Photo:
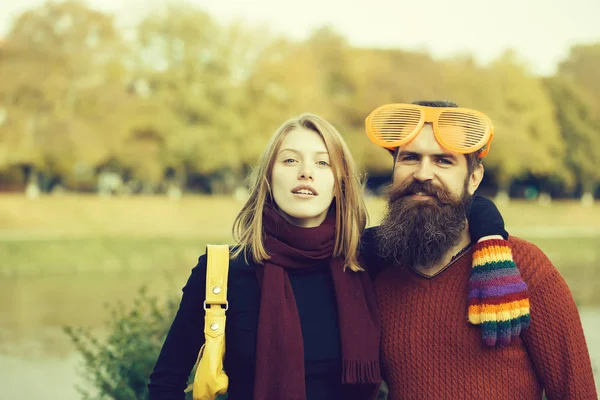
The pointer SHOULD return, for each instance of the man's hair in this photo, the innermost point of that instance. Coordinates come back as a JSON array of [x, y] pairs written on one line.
[[473, 159], [435, 103]]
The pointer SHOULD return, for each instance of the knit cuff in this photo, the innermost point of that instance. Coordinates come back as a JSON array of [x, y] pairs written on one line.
[[498, 298]]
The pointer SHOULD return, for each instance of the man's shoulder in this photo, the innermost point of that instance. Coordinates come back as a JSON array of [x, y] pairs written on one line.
[[520, 245], [368, 252], [368, 241], [530, 259], [368, 234]]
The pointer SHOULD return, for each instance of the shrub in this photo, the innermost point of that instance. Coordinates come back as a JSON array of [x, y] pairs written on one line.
[[118, 363]]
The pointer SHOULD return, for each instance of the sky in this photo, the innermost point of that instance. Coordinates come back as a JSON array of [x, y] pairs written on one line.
[[540, 33]]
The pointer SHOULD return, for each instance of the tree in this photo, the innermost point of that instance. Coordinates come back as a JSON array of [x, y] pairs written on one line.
[[579, 129], [581, 69], [180, 59], [527, 139], [65, 70], [380, 77], [118, 366]]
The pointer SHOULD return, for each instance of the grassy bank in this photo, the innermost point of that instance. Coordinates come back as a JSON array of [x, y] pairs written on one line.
[[84, 234], [202, 216], [52, 256]]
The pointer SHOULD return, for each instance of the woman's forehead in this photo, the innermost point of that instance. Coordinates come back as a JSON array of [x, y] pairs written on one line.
[[303, 140]]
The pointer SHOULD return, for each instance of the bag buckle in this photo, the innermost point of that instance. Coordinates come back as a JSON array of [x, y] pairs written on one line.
[[226, 305]]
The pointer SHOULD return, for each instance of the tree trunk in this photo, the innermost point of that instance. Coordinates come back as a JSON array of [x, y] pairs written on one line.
[[587, 198], [109, 183], [174, 191], [32, 189], [544, 199], [148, 188], [176, 179], [503, 196]]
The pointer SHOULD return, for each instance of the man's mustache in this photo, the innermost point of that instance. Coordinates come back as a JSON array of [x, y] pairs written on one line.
[[397, 192]]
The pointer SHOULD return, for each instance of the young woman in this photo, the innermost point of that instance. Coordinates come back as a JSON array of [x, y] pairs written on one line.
[[302, 322]]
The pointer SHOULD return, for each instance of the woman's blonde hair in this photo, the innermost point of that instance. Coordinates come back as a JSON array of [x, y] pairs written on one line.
[[350, 210]]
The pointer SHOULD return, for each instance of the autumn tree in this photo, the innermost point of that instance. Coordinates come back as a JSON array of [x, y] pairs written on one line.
[[580, 130], [64, 63], [527, 139], [382, 76], [200, 96], [581, 69]]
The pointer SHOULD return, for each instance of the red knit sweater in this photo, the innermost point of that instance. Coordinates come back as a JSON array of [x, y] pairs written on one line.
[[431, 351]]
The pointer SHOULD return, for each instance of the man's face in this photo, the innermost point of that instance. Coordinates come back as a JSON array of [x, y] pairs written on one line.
[[427, 203], [424, 160]]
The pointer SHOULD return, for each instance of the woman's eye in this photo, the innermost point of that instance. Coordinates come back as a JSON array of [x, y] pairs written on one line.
[[323, 163], [289, 160]]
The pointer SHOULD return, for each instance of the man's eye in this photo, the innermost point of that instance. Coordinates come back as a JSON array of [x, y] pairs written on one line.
[[444, 161], [409, 158]]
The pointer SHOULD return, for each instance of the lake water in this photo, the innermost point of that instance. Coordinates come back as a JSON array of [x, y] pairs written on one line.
[[38, 361]]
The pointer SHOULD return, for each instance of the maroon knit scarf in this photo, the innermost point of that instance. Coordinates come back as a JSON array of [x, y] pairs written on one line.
[[279, 347]]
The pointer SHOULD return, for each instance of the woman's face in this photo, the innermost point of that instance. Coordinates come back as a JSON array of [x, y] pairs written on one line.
[[302, 181]]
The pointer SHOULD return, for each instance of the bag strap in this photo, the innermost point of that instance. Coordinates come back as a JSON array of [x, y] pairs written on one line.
[[217, 271], [215, 305]]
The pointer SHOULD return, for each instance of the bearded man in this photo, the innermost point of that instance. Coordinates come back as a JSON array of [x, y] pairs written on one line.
[[463, 320]]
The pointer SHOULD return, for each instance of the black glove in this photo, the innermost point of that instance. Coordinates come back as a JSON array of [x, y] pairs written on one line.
[[485, 219]]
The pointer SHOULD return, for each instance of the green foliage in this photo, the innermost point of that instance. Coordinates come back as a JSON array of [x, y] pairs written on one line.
[[579, 128], [117, 366], [581, 69], [65, 72], [199, 98]]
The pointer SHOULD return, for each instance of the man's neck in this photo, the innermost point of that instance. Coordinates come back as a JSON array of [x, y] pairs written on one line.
[[431, 270]]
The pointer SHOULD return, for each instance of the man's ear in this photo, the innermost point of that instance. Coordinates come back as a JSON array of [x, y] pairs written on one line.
[[394, 154], [475, 179]]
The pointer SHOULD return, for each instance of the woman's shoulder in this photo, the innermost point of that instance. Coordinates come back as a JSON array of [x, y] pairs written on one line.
[[237, 263], [237, 260]]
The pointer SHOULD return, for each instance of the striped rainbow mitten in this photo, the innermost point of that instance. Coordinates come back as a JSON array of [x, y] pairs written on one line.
[[498, 299]]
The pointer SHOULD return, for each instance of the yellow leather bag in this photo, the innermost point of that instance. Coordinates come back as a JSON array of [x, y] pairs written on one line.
[[210, 380]]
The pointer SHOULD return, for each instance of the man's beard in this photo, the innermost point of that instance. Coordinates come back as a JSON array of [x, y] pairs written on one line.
[[420, 232]]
